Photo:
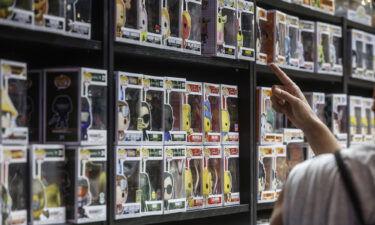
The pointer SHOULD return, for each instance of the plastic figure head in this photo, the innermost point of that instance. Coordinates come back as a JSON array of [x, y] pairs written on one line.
[[188, 183], [39, 198], [186, 117], [221, 20], [6, 8], [123, 116], [207, 182], [186, 26], [207, 117], [225, 121], [121, 189], [168, 118], [168, 186], [166, 23], [120, 14], [40, 8], [142, 17], [145, 117], [227, 182]]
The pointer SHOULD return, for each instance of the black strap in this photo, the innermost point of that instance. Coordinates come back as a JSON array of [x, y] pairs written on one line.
[[350, 189]]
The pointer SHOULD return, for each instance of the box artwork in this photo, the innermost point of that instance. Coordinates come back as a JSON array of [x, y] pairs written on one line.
[[277, 35], [86, 199], [151, 180], [151, 118], [14, 188], [266, 174], [307, 41], [281, 168], [35, 105], [335, 50], [323, 64], [293, 47], [369, 56], [191, 26], [129, 106], [293, 135], [192, 118], [219, 28], [194, 177], [336, 116], [174, 179], [128, 192], [231, 165], [317, 102], [355, 10], [78, 18], [368, 120], [357, 49], [171, 23], [229, 114], [17, 13], [49, 184], [212, 176], [13, 102], [356, 119], [64, 111], [245, 36], [49, 15], [263, 35], [211, 111], [174, 132]]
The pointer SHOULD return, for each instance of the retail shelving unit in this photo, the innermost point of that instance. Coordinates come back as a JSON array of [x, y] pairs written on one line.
[[103, 52]]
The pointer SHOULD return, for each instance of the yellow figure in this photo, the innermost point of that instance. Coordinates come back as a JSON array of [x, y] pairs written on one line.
[[8, 112], [53, 196], [239, 39], [225, 124], [120, 16], [165, 21], [39, 198], [186, 118], [188, 183], [207, 182], [227, 182]]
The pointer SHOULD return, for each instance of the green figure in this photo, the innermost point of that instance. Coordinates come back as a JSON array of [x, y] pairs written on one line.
[[321, 54], [6, 8]]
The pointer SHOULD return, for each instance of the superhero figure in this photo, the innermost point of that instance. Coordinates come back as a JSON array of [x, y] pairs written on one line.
[[61, 107]]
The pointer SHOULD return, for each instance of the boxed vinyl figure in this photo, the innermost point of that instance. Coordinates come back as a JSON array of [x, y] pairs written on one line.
[[266, 174], [151, 180], [281, 168], [336, 116], [307, 41], [191, 26], [368, 120], [229, 114], [174, 179], [152, 108], [262, 34], [335, 50], [231, 174], [194, 177], [219, 28], [129, 22], [212, 176], [355, 10], [78, 18], [269, 122], [317, 103], [13, 102], [35, 105], [17, 13], [355, 119], [49, 15], [293, 47], [71, 119], [211, 111], [357, 41], [174, 132], [245, 36], [277, 35], [128, 192], [14, 189], [369, 56], [322, 55], [49, 183], [171, 23], [192, 118], [129, 106]]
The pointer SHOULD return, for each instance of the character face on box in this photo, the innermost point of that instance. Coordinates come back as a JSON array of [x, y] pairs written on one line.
[[207, 117]]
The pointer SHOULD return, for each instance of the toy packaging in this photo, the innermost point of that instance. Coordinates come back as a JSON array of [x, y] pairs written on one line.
[[229, 114], [194, 177], [336, 116], [293, 45], [35, 105], [49, 183], [129, 106], [269, 121], [369, 56], [49, 15], [245, 36], [13, 102], [71, 119], [335, 50], [296, 153], [152, 108], [191, 26], [174, 132], [266, 174], [293, 135], [128, 192], [86, 199], [211, 111], [368, 120], [17, 13], [129, 20], [171, 24], [281, 168], [78, 18], [322, 55], [318, 104], [355, 10], [356, 119], [277, 35], [174, 179], [151, 180], [357, 49], [231, 174], [192, 118], [262, 34], [14, 189], [307, 42], [219, 28], [326, 6], [212, 176]]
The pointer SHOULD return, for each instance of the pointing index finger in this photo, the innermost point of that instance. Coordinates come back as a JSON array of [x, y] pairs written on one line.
[[281, 75]]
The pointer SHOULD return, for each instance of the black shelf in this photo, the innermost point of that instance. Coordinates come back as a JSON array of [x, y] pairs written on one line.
[[359, 26], [363, 84], [265, 206]]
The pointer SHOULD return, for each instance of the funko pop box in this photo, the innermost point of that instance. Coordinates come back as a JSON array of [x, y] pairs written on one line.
[[49, 179], [336, 116], [293, 48], [277, 38], [357, 46], [368, 120], [213, 176], [356, 112], [355, 10], [211, 112], [369, 56], [78, 18], [266, 174], [194, 177], [87, 193], [281, 168], [231, 178], [317, 102], [191, 26], [245, 36], [13, 102], [35, 105], [17, 13], [49, 15], [307, 40], [229, 114], [71, 119], [322, 55], [128, 192], [171, 24], [192, 117], [335, 50], [263, 35]]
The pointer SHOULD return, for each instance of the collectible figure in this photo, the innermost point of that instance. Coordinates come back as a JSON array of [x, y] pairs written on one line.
[[368, 120], [86, 197], [194, 177], [219, 28], [211, 112], [357, 50], [268, 125], [191, 26], [149, 22], [174, 132], [293, 135], [281, 168], [307, 42], [49, 15], [171, 23], [356, 119], [318, 104], [151, 180], [128, 29], [78, 18], [152, 109], [17, 13], [322, 48], [263, 35], [192, 117], [14, 102], [355, 10], [336, 116], [277, 35], [231, 178], [266, 174], [174, 179], [129, 105], [49, 183], [229, 114], [335, 50], [212, 176], [369, 56], [245, 35], [34, 86], [128, 192], [14, 175], [293, 45]]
